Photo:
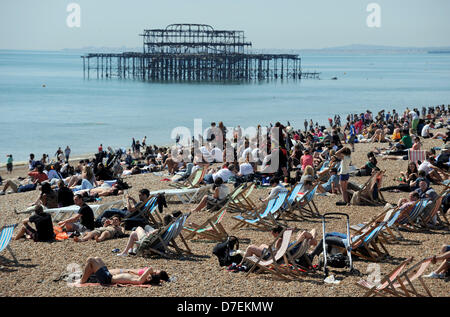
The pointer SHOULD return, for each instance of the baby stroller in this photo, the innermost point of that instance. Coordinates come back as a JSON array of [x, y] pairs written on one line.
[[337, 260]]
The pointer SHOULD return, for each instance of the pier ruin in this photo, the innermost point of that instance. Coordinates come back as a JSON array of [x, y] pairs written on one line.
[[194, 52]]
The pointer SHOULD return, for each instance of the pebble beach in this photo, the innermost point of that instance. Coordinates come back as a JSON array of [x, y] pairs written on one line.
[[199, 274]]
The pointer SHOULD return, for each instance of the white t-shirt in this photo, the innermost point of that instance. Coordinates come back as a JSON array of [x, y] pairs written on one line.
[[206, 154], [426, 131], [224, 174], [345, 164], [425, 166], [223, 191], [217, 155], [245, 169], [413, 115], [246, 152]]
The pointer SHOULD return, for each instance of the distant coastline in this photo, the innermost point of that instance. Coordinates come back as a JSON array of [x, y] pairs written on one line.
[[439, 52]]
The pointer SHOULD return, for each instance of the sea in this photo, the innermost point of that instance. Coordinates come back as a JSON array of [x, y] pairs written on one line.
[[46, 102]]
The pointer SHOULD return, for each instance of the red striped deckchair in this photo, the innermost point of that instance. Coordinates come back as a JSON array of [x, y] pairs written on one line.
[[416, 155]]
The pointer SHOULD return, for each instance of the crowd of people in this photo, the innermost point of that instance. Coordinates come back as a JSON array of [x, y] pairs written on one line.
[[277, 156]]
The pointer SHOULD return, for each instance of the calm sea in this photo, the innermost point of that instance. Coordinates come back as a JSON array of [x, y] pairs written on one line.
[[82, 113]]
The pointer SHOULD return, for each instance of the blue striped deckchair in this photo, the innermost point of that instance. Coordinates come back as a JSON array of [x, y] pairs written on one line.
[[407, 221], [167, 239], [265, 219], [148, 211], [291, 200], [364, 244], [5, 238], [306, 206]]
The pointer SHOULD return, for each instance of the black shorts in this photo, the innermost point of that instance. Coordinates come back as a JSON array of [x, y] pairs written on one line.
[[103, 276], [31, 232], [9, 167]]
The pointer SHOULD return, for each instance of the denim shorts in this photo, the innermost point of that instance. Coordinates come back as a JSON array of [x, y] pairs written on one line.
[[344, 177]]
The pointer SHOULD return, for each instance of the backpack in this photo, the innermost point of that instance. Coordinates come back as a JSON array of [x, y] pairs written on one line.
[[222, 251]]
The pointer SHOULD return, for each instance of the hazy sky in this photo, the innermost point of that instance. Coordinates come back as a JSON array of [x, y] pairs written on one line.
[[297, 24]]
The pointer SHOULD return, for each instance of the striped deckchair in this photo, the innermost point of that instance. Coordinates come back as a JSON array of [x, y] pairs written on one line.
[[241, 201], [271, 265], [296, 251], [193, 181], [430, 213], [211, 229], [166, 243], [407, 220], [291, 201], [148, 211], [385, 286], [416, 155], [306, 206], [267, 218], [5, 238], [366, 244], [404, 283]]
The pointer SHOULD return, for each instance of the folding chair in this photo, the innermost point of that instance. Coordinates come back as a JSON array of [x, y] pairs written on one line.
[[385, 286], [306, 206], [165, 243], [270, 265], [267, 218], [241, 201], [416, 155], [366, 195], [192, 181], [5, 238], [211, 229]]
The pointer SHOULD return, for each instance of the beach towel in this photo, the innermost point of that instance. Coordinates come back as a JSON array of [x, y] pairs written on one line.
[[113, 285], [60, 234]]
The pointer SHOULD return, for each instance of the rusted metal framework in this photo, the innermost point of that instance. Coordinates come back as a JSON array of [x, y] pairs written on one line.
[[195, 52]]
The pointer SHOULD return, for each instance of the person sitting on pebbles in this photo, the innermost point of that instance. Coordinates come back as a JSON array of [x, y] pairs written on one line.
[[111, 229]]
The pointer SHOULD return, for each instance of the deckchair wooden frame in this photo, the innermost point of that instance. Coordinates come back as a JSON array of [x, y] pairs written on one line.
[[306, 205], [193, 180], [385, 286], [404, 282], [242, 202], [177, 226], [211, 229], [366, 191], [263, 220], [263, 265]]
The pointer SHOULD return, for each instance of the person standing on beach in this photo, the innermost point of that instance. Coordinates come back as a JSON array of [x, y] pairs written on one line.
[[345, 155], [9, 163], [67, 153]]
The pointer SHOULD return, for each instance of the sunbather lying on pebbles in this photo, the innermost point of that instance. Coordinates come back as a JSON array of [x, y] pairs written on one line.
[[110, 229], [101, 274]]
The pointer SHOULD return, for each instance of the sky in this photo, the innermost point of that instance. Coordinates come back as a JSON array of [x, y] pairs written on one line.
[[282, 24]]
